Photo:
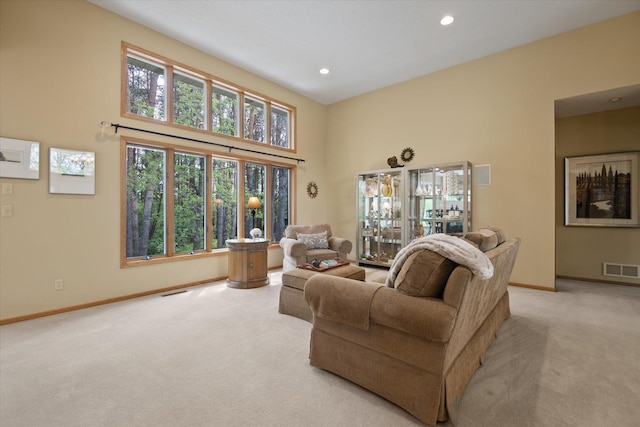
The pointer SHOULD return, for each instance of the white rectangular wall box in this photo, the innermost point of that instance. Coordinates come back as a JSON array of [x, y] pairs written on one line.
[[482, 174]]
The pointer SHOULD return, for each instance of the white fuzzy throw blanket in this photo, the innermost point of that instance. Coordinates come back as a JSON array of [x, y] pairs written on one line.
[[454, 248]]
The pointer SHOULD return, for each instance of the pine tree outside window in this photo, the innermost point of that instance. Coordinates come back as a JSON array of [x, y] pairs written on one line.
[[145, 202], [225, 201], [280, 201], [279, 127], [178, 204], [254, 119], [189, 101], [145, 90], [189, 179], [254, 186], [158, 89], [224, 111]]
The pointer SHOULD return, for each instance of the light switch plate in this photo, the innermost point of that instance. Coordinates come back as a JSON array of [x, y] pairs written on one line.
[[7, 188], [7, 210]]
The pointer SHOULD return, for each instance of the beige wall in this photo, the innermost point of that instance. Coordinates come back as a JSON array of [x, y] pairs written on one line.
[[497, 110], [59, 78], [580, 251]]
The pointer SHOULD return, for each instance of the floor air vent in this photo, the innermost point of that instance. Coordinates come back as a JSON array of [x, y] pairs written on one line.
[[621, 270]]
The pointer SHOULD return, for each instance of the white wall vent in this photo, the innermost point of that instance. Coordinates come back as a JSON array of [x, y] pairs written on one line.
[[621, 270], [482, 174]]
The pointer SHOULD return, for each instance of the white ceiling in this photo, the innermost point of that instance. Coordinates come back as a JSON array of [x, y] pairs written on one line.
[[366, 45], [613, 99]]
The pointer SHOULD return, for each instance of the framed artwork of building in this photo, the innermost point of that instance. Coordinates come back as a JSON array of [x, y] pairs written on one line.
[[603, 190]]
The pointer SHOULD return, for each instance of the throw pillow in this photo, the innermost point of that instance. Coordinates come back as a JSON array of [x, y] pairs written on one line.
[[499, 233], [484, 238], [424, 274], [314, 241]]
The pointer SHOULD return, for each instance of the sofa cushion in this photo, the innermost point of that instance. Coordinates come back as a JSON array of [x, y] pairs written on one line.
[[485, 238], [424, 274], [314, 241]]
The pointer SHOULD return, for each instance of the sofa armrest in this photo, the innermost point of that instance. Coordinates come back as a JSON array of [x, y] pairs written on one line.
[[340, 244], [429, 318], [293, 248], [341, 300]]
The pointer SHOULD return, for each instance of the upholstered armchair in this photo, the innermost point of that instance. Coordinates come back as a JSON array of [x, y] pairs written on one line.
[[304, 243]]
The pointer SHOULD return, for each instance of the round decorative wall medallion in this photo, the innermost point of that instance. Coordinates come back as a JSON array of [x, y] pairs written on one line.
[[312, 189], [407, 154]]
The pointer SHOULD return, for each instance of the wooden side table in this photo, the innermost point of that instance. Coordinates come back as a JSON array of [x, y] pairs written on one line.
[[247, 263]]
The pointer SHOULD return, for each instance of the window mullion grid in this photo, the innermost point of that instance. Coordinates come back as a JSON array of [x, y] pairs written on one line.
[[169, 200], [169, 68], [267, 122], [268, 201], [292, 130], [169, 95], [241, 115], [241, 202], [208, 123], [209, 205]]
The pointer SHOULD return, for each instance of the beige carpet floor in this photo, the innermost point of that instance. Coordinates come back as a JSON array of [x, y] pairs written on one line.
[[214, 356]]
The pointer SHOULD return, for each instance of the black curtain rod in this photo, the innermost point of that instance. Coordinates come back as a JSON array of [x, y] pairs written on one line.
[[229, 147]]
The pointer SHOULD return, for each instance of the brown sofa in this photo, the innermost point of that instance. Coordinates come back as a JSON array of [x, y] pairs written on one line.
[[296, 252], [417, 343]]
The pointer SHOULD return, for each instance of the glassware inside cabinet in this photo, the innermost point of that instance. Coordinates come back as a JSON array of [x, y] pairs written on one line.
[[368, 214], [390, 220], [453, 185], [422, 203], [380, 216], [437, 200]]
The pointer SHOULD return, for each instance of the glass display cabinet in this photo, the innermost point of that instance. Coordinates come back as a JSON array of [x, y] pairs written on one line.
[[439, 200], [380, 196]]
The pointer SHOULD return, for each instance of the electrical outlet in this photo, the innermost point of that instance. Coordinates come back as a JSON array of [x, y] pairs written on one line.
[[58, 285]]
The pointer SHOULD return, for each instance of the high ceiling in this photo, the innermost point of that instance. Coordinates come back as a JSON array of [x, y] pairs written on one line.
[[366, 45]]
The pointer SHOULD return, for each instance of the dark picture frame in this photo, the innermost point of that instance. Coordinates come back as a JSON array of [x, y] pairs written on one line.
[[603, 190]]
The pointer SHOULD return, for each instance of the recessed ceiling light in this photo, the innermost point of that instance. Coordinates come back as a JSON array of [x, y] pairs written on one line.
[[324, 71], [615, 99], [446, 20]]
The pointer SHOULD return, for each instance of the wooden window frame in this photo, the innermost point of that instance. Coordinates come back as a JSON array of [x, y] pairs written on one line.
[[209, 79], [208, 251]]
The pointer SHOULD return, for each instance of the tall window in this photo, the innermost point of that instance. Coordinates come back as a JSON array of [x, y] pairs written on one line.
[[188, 101], [145, 202], [224, 111], [178, 204], [189, 202], [145, 88], [225, 201], [254, 119], [280, 206], [279, 127], [254, 186]]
